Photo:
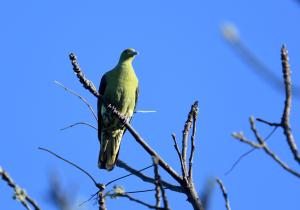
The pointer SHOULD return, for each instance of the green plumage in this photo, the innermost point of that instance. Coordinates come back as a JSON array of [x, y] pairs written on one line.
[[119, 87]]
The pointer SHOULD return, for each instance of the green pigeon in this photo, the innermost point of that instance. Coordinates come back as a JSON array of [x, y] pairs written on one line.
[[118, 87]]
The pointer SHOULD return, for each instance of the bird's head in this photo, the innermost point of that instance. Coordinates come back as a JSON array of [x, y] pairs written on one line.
[[128, 55]]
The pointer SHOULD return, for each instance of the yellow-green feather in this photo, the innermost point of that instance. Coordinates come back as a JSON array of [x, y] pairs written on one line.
[[121, 92]]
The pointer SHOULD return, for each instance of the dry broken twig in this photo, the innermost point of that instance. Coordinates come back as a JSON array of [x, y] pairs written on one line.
[[20, 194]]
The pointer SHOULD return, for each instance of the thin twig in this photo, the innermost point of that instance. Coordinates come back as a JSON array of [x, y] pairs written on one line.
[[20, 194], [79, 123], [178, 153], [80, 97], [248, 152], [224, 192], [73, 164], [285, 120], [268, 123], [122, 177], [193, 136], [145, 178]]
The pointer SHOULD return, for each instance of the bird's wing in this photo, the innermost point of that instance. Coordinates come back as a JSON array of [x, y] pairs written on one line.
[[136, 97], [99, 105]]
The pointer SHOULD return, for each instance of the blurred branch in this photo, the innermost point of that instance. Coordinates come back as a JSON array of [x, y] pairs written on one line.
[[80, 97], [224, 192], [61, 199], [20, 194], [231, 36]]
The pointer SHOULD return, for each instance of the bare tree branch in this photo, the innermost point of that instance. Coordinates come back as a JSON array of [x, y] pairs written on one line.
[[159, 187], [131, 173], [185, 135], [156, 183], [80, 97], [224, 192], [193, 136], [20, 194]]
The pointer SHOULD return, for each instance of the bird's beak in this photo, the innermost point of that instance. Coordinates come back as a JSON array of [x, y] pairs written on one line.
[[135, 53]]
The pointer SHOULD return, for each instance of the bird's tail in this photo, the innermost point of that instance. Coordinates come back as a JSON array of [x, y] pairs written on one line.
[[110, 145]]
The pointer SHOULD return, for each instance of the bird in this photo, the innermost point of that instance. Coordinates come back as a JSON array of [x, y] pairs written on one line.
[[118, 87]]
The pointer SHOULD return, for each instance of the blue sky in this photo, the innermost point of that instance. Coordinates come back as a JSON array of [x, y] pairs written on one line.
[[183, 58]]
